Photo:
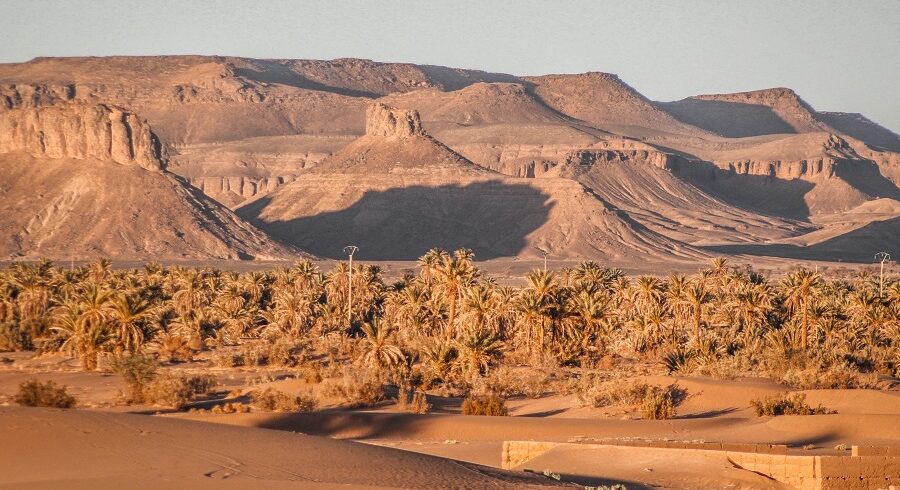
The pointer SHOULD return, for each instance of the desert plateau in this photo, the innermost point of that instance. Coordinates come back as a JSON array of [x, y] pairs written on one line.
[[297, 267]]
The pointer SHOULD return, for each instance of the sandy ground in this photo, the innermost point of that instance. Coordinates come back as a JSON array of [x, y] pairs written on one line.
[[49, 448], [97, 446]]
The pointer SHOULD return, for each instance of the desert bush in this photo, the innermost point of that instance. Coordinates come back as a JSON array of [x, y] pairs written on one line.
[[228, 359], [506, 383], [660, 403], [14, 338], [595, 392], [356, 390], [835, 376], [176, 390], [491, 405], [311, 374], [33, 393], [255, 353], [138, 371], [415, 402], [279, 401], [287, 352], [230, 408], [786, 404]]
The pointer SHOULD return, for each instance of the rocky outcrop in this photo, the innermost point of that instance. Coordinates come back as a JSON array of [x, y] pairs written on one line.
[[532, 161], [386, 121], [15, 96], [785, 169], [79, 130], [784, 102]]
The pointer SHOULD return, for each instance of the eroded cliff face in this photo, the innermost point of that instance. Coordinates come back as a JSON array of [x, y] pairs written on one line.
[[79, 130], [385, 121], [532, 161]]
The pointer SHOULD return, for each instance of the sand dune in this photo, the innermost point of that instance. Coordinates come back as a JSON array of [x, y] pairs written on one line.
[[106, 450]]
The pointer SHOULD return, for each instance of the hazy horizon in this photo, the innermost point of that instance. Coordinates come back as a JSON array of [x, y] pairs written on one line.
[[838, 57]]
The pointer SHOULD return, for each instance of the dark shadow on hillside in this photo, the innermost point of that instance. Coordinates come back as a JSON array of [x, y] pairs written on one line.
[[864, 129], [491, 218], [283, 75], [866, 176], [455, 79], [859, 245], [730, 119], [763, 194]]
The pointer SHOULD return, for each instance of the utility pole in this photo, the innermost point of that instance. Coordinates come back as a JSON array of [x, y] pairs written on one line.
[[350, 250], [545, 261], [883, 257]]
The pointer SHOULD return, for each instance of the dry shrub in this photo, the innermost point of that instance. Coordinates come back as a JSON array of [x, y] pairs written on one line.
[[33, 393], [836, 376], [311, 374], [254, 354], [593, 392], [356, 390], [230, 408], [228, 359], [417, 403], [656, 402], [491, 405], [176, 390], [660, 403], [287, 352], [176, 348], [507, 383], [786, 404], [279, 401], [14, 338], [282, 352]]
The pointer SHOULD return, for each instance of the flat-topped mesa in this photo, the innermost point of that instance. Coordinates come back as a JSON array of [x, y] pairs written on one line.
[[385, 121], [80, 130]]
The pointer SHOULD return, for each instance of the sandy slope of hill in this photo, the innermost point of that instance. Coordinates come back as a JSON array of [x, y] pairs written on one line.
[[397, 192], [47, 448], [604, 101], [84, 180]]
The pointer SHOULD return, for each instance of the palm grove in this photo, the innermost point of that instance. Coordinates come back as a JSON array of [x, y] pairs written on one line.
[[449, 326]]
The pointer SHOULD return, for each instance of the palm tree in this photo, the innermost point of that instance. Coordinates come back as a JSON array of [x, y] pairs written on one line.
[[696, 296], [454, 274], [430, 262], [380, 353], [591, 308], [478, 348], [800, 287], [128, 314]]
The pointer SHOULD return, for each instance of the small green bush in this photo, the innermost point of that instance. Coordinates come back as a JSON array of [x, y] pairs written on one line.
[[491, 405], [33, 393], [138, 372], [786, 404]]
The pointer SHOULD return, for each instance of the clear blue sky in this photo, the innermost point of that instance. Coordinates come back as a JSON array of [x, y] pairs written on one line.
[[838, 55]]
